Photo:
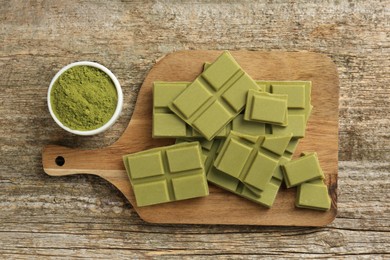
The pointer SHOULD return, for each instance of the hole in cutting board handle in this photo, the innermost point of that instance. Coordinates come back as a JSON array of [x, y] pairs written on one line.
[[60, 161]]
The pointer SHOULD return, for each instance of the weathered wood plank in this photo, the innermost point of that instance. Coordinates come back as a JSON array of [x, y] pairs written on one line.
[[82, 216]]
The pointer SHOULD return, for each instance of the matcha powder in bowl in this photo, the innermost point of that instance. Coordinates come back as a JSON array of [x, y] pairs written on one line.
[[85, 98]]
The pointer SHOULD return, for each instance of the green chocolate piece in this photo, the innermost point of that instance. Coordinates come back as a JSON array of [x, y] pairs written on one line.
[[266, 108], [245, 158], [303, 169], [166, 174], [313, 195], [215, 97], [227, 182]]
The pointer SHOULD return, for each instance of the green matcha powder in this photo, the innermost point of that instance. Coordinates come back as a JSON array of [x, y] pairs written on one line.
[[84, 98]]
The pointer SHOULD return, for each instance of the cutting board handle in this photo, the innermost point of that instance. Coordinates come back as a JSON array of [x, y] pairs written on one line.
[[61, 161]]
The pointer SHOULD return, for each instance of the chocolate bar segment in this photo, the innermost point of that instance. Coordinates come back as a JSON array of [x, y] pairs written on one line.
[[167, 174], [251, 159], [215, 97], [313, 195], [304, 169], [266, 108]]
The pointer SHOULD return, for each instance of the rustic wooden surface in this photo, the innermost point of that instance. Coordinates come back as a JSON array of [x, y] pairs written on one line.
[[83, 216]]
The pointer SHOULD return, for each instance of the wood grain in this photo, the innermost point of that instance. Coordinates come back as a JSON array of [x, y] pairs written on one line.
[[321, 136], [83, 216]]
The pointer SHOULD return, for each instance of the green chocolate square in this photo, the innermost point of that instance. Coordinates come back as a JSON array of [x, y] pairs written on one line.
[[183, 159], [266, 108], [296, 94], [187, 187], [169, 125], [212, 120], [219, 72], [165, 92], [296, 126], [313, 196], [146, 165], [233, 158], [152, 193], [167, 173], [303, 169], [194, 96]]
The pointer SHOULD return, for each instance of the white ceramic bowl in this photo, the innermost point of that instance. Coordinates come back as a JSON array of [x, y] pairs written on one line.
[[118, 106]]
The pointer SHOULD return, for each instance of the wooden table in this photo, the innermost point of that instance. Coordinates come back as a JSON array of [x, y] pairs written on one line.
[[83, 216]]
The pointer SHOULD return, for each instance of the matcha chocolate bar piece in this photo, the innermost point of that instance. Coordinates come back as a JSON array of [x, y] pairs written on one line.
[[167, 174], [265, 197], [266, 108], [251, 159], [313, 195], [304, 169], [215, 97], [298, 107]]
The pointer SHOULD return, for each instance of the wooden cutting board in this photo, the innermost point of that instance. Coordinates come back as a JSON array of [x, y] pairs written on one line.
[[221, 207]]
